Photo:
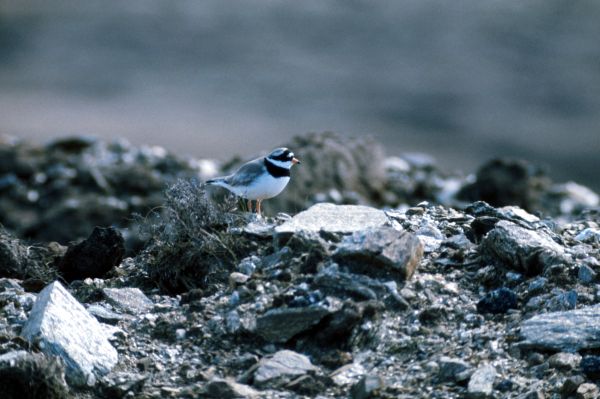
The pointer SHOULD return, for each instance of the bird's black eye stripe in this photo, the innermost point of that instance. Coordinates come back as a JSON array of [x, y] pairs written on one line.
[[285, 156]]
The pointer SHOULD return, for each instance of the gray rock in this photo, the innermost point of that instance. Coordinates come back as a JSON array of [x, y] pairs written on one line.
[[332, 218], [281, 324], [568, 331], [130, 300], [348, 374], [381, 252], [588, 235], [366, 387], [225, 388], [586, 274], [248, 265], [565, 361], [481, 383], [587, 391], [120, 384], [521, 249], [281, 368], [104, 315], [63, 327], [533, 394], [452, 369]]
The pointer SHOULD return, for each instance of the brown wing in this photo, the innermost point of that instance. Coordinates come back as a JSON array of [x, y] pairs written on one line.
[[246, 173]]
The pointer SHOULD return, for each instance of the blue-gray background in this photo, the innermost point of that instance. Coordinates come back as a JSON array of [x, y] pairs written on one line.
[[463, 80]]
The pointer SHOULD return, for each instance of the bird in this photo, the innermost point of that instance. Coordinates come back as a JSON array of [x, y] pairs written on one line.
[[261, 178]]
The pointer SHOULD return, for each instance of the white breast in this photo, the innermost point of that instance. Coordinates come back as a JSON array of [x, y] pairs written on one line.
[[264, 187]]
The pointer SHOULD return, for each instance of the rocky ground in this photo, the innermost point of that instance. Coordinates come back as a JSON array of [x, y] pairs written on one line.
[[391, 279]]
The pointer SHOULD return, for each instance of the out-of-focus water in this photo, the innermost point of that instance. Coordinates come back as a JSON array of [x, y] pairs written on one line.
[[463, 80]]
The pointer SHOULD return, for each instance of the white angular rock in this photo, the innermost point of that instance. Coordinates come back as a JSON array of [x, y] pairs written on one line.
[[334, 219], [62, 327], [280, 368]]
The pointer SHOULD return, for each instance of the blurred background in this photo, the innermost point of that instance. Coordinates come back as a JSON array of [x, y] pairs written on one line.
[[462, 80]]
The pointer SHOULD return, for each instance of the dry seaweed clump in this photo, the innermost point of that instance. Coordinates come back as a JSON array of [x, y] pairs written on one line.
[[26, 262], [191, 244]]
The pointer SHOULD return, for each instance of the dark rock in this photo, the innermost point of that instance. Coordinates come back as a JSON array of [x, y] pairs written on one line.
[[505, 385], [336, 328], [29, 375], [224, 388], [382, 252], [358, 287], [309, 385], [95, 256], [432, 315], [452, 369], [282, 324], [367, 387], [502, 182], [590, 365], [571, 384], [64, 328], [520, 249], [281, 368], [119, 385], [567, 331], [498, 301], [482, 225]]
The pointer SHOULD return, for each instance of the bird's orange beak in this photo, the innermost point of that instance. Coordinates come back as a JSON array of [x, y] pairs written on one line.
[[295, 161]]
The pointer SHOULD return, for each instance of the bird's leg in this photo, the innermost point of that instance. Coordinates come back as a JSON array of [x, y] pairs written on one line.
[[249, 206], [258, 210]]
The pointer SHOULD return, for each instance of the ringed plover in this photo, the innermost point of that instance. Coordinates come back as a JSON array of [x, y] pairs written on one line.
[[261, 178]]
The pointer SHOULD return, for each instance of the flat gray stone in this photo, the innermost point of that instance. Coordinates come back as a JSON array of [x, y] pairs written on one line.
[[130, 300], [520, 249], [366, 387], [281, 324], [481, 383], [381, 252], [333, 218], [568, 331], [63, 327], [281, 368]]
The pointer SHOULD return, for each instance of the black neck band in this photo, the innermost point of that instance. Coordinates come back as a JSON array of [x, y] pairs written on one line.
[[276, 171]]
